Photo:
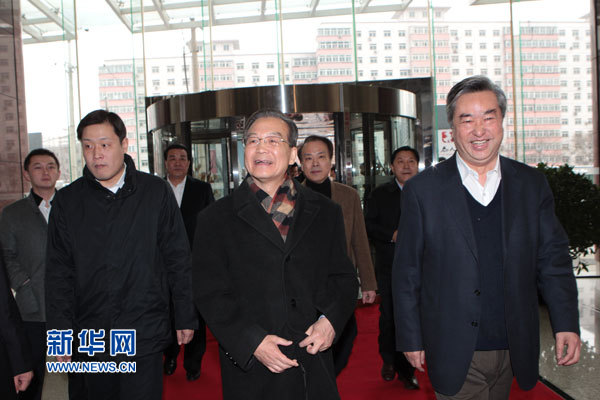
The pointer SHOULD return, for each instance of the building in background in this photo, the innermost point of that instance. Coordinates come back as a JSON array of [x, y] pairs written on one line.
[[553, 86]]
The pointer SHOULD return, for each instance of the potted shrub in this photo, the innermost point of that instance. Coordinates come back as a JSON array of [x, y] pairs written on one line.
[[578, 209]]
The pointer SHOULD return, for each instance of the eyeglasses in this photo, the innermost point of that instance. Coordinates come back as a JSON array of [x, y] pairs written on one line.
[[271, 141]]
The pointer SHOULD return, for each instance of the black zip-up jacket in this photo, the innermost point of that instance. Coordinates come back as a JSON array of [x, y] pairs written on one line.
[[113, 259]]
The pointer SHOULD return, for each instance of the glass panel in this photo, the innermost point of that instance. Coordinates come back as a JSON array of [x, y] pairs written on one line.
[[358, 153], [381, 147], [210, 165]]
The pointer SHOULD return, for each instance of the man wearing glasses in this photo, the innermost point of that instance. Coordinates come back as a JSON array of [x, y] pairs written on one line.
[[271, 275]]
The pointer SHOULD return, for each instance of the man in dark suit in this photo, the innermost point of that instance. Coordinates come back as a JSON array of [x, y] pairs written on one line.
[[15, 357], [477, 239], [192, 196], [271, 274], [381, 218], [23, 233]]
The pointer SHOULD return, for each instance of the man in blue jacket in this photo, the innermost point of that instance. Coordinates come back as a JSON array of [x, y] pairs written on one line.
[[477, 239]]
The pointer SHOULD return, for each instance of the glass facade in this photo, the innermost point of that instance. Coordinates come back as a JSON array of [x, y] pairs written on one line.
[[80, 56]]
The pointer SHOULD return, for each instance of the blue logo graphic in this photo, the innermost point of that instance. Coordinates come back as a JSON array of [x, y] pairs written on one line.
[[90, 341], [59, 342], [122, 341]]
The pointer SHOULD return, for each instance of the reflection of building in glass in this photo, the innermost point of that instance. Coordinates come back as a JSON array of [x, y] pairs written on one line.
[[118, 94], [13, 130], [553, 87]]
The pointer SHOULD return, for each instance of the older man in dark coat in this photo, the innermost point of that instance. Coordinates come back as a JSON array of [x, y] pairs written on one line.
[[271, 275]]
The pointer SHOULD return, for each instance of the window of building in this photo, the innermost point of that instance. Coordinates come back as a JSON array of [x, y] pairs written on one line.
[[373, 60], [254, 65], [401, 33], [468, 46], [468, 32], [388, 59], [402, 46], [170, 68], [155, 70], [373, 73], [483, 59], [255, 79], [496, 32], [225, 47], [156, 82], [403, 59], [388, 72], [239, 66], [372, 33], [373, 46], [482, 32], [270, 65], [387, 46], [482, 46], [387, 33], [270, 78]]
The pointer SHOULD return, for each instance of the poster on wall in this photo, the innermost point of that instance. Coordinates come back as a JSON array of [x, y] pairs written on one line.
[[445, 144]]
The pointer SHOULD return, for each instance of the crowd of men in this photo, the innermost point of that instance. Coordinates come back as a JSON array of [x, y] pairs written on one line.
[[274, 269]]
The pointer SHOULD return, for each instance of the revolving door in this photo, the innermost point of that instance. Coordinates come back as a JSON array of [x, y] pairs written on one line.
[[365, 123]]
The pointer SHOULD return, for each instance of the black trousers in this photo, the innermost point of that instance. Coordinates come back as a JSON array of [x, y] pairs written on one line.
[[387, 329], [36, 334], [193, 351], [342, 349], [144, 384]]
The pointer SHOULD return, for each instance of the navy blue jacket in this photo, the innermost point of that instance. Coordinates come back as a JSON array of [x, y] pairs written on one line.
[[436, 277]]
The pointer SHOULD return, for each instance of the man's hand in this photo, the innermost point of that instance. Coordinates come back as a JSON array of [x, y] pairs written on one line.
[[394, 236], [22, 381], [368, 296], [320, 336], [573, 343], [270, 356], [63, 358], [416, 359], [184, 336]]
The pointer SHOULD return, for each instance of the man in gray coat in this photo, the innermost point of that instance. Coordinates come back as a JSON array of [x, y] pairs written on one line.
[[23, 231]]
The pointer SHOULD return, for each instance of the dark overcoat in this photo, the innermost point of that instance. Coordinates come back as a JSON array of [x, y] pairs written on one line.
[[197, 195], [113, 258], [381, 219], [15, 354], [249, 283], [436, 278]]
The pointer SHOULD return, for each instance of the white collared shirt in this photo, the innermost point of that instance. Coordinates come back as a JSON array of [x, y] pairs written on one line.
[[178, 190], [120, 183], [398, 183], [45, 207], [470, 179]]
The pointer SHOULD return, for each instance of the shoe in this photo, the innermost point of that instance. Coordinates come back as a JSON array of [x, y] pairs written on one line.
[[388, 372], [409, 383], [192, 376], [170, 365]]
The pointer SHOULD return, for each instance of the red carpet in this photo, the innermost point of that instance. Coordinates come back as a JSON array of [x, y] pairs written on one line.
[[360, 380]]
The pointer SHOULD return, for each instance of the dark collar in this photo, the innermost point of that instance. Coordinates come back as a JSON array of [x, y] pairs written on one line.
[[36, 198], [324, 187], [130, 181]]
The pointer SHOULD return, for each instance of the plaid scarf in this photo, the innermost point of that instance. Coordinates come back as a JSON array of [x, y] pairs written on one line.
[[281, 207]]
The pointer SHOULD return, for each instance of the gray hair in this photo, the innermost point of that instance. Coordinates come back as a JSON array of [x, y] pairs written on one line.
[[272, 113], [472, 84]]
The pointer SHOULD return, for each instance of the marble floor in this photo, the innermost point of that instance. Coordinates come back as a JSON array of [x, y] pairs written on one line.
[[580, 382]]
